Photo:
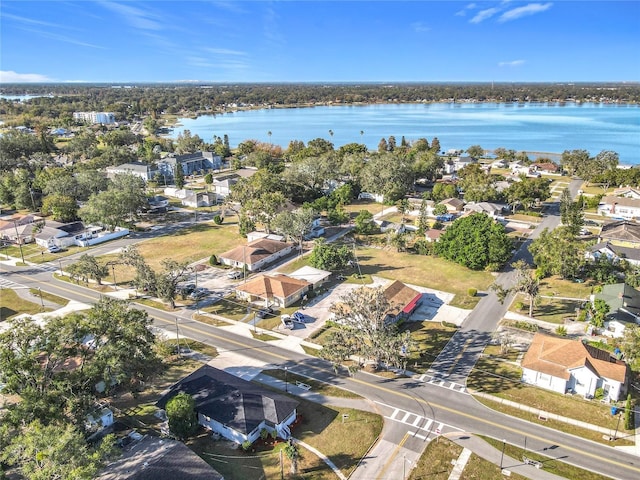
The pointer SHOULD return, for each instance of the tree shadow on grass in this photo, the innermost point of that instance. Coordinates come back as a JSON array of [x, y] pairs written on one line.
[[5, 313]]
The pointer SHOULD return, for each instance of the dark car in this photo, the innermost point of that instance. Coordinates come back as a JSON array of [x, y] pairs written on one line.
[[264, 312], [198, 293], [187, 289]]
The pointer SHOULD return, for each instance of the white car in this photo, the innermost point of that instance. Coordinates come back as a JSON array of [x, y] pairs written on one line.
[[54, 249], [234, 274], [287, 322]]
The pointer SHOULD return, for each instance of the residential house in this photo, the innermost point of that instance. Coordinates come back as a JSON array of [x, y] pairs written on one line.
[[278, 289], [200, 199], [60, 234], [546, 167], [626, 208], [94, 117], [403, 300], [615, 253], [192, 163], [628, 192], [145, 171], [386, 225], [623, 301], [454, 205], [623, 233], [222, 185], [493, 210], [99, 419], [19, 228], [155, 458], [314, 276], [433, 235], [235, 408], [565, 366], [256, 235], [257, 254], [376, 197]]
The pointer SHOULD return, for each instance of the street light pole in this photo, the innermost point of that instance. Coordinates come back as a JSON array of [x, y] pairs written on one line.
[[286, 383], [113, 273], [502, 456]]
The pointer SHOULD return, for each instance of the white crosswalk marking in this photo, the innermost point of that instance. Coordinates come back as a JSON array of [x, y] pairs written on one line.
[[440, 382], [416, 429]]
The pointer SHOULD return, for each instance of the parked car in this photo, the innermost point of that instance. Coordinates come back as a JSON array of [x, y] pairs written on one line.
[[187, 289], [199, 293], [263, 312], [54, 249], [447, 217], [286, 321], [234, 274], [298, 317]]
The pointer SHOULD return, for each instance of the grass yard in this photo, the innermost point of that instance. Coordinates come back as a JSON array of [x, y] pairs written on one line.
[[369, 205], [552, 310], [424, 270], [11, 304], [320, 426], [502, 379], [316, 386], [430, 338], [556, 286], [550, 465]]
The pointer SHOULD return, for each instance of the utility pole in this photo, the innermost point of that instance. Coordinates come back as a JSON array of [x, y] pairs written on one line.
[[177, 338], [15, 225], [41, 302]]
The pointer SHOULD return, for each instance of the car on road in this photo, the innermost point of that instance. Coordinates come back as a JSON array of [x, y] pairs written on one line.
[[199, 293], [287, 322], [54, 249], [234, 274]]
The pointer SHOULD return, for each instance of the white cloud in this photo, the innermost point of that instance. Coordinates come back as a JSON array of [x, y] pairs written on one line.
[[135, 17], [463, 12], [519, 12], [64, 38], [9, 76], [30, 21], [484, 14], [225, 51], [512, 63], [420, 27]]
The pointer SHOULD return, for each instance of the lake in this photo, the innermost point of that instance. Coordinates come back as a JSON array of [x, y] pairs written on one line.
[[532, 127]]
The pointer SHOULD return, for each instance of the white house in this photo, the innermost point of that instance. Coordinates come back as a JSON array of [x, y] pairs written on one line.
[[494, 210], [565, 366], [615, 253], [255, 255], [235, 408], [626, 208]]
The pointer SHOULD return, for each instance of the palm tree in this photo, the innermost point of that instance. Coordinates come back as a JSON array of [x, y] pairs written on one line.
[[269, 134], [331, 133]]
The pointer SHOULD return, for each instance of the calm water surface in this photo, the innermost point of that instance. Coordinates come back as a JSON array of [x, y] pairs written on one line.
[[530, 127]]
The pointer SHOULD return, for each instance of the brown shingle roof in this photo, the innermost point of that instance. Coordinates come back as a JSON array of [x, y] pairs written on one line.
[[280, 286], [556, 356], [255, 251], [623, 230], [399, 296]]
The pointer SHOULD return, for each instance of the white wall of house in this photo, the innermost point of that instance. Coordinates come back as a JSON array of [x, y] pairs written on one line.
[[583, 381], [544, 380]]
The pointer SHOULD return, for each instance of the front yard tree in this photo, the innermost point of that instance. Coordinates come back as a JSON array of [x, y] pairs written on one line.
[[329, 256], [55, 451], [527, 192], [292, 453], [361, 314], [63, 208], [364, 223], [88, 266], [526, 283], [557, 252], [475, 151], [296, 224], [179, 176], [167, 281], [475, 241], [571, 212], [631, 343], [181, 413]]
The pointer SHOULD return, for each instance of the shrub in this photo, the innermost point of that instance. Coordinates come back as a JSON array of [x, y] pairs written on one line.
[[246, 445], [561, 331], [264, 434], [472, 292], [629, 420], [213, 260], [599, 393], [529, 327], [518, 306], [218, 220]]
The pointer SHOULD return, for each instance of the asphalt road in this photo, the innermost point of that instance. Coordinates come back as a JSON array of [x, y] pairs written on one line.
[[413, 409]]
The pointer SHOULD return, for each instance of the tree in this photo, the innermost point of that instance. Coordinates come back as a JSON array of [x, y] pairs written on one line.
[[403, 207], [167, 281], [631, 343], [55, 451], [435, 145], [440, 209], [364, 223], [527, 192], [525, 283], [366, 331], [557, 252], [296, 224], [629, 414], [208, 180], [442, 191], [382, 145], [187, 143], [573, 160], [183, 421], [292, 453], [63, 208], [598, 311], [178, 178], [87, 267], [571, 212], [475, 241], [475, 151], [329, 256]]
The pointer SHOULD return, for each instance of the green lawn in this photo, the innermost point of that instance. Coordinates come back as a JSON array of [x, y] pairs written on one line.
[[552, 310], [11, 304], [502, 379], [430, 338], [556, 286], [424, 270]]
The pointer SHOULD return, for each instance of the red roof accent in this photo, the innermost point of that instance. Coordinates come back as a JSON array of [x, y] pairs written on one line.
[[412, 304]]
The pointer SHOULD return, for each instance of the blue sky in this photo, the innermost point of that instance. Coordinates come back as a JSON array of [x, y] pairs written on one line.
[[319, 41]]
